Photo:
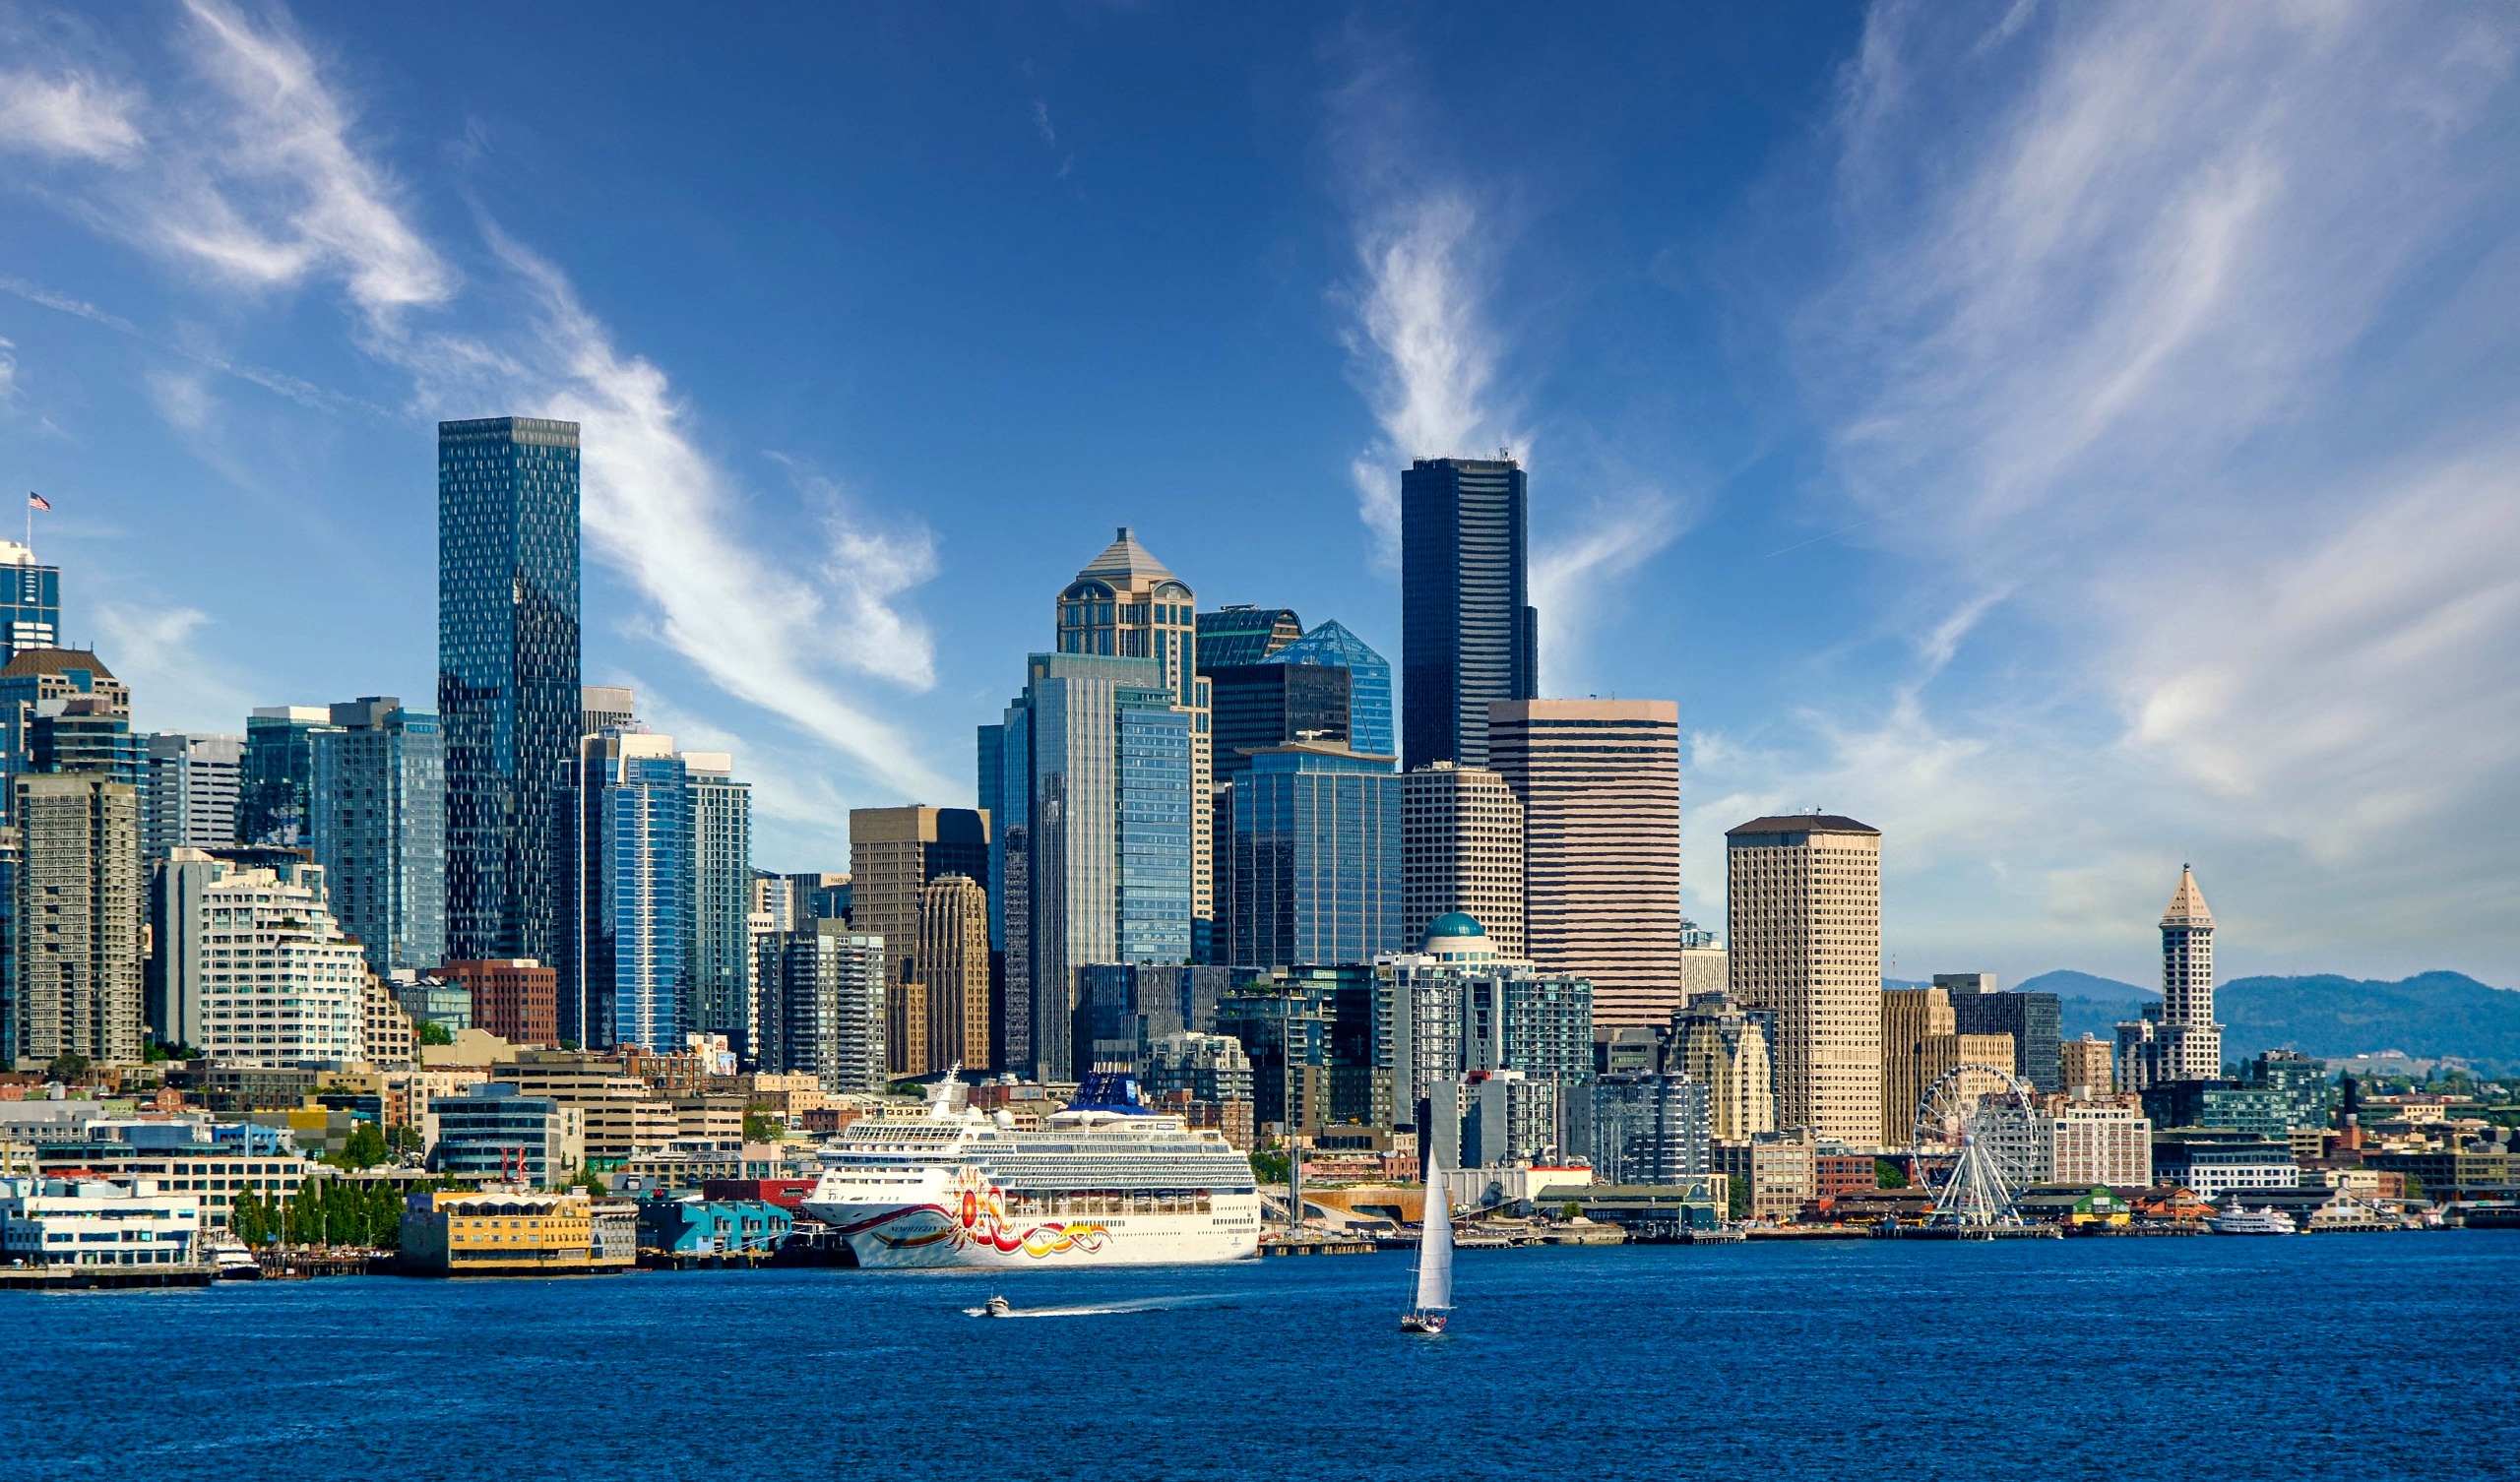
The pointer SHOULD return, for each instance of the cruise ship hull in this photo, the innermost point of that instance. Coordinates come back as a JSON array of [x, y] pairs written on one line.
[[965, 1222]]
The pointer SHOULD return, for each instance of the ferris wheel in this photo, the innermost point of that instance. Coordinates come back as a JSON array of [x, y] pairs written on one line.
[[1975, 1144]]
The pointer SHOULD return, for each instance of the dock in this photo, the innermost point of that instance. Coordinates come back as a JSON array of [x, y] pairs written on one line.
[[1318, 1245], [88, 1278]]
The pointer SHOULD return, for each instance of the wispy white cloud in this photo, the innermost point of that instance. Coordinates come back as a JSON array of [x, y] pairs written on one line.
[[1577, 579], [260, 181], [177, 683], [181, 397], [2181, 331], [73, 115]]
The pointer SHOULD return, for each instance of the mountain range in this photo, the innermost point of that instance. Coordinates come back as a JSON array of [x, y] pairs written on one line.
[[2430, 1013]]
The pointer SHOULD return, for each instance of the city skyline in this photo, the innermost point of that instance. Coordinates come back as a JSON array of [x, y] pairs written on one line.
[[161, 393]]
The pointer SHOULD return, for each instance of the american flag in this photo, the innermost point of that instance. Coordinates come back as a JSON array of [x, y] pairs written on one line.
[[36, 501]]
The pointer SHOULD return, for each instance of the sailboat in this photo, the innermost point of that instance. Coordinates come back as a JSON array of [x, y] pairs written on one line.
[[1434, 1307]]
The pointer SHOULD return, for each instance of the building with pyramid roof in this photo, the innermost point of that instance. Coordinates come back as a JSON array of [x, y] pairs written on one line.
[[2178, 1038]]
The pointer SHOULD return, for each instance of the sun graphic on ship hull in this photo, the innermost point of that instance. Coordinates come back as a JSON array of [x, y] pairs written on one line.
[[973, 1213]]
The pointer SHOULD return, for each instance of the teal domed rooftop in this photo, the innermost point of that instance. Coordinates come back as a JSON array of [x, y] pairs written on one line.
[[1454, 924]]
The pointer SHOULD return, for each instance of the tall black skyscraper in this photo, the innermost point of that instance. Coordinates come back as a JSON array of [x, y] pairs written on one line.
[[1467, 635], [507, 685]]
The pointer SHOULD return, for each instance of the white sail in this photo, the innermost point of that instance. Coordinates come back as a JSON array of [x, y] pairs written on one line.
[[1435, 1245]]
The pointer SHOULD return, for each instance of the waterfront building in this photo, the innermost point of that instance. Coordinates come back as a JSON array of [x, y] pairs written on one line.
[[2177, 1038], [720, 1000], [1095, 769], [1650, 1128], [1462, 850], [2209, 1164], [821, 1010], [29, 601], [1506, 1117], [1804, 909], [189, 801], [494, 1131], [2099, 1140], [648, 893], [92, 1223], [1541, 1024], [1234, 636], [74, 986], [2033, 1020], [894, 855], [1368, 715], [2083, 1065], [624, 1114], [1127, 604], [1774, 1174], [517, 999], [216, 1164], [265, 975], [275, 791], [509, 701], [447, 1233], [377, 825], [1316, 857], [1600, 783], [1731, 1050], [1467, 636], [953, 963], [2220, 1105], [2301, 1084]]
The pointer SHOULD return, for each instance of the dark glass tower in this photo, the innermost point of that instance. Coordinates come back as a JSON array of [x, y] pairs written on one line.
[[1467, 635], [507, 685]]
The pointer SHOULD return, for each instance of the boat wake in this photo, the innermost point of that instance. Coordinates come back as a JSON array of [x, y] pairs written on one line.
[[1092, 1310]]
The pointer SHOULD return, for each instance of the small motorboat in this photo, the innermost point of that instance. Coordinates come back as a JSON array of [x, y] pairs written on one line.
[[233, 1259], [997, 1307]]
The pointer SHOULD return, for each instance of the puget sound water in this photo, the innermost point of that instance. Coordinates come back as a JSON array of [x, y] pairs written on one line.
[[2312, 1357]]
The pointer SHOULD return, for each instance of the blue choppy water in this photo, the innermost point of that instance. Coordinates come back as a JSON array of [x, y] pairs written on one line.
[[2312, 1357]]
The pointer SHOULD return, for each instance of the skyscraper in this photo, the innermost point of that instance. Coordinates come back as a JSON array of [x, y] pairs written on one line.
[[1316, 858], [189, 802], [1467, 635], [1332, 647], [720, 1001], [77, 988], [1234, 636], [1463, 851], [29, 601], [1127, 604], [1600, 783], [822, 1006], [952, 962], [47, 682], [2033, 1020], [1804, 898], [892, 856], [304, 1000], [508, 694], [280, 760], [646, 898], [1095, 759], [1256, 706], [377, 810], [2178, 1038]]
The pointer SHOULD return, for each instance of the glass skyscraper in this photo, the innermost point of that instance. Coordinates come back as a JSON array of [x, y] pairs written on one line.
[[648, 899], [29, 602], [720, 998], [1467, 634], [1316, 858], [1332, 645], [508, 696], [271, 794], [377, 822]]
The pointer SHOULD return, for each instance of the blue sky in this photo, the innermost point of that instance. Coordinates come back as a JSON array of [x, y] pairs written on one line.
[[2077, 440]]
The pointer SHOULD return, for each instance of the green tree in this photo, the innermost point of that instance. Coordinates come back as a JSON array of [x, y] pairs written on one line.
[[1887, 1175], [366, 1148], [2415, 1190], [761, 1127], [253, 1219], [405, 1138], [434, 1033], [66, 1069], [1269, 1165], [1736, 1201]]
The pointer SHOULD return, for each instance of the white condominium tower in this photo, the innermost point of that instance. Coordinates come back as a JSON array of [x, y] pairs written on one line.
[[1599, 783], [1805, 920]]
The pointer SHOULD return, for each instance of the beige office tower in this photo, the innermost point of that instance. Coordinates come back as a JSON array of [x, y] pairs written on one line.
[[1599, 783], [1805, 895], [2083, 1065], [1920, 1043], [1462, 833], [953, 958], [77, 987], [1729, 1047], [1127, 604], [893, 854]]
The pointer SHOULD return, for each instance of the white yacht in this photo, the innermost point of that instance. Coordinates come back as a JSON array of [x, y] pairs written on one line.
[[1102, 1183], [2239, 1221]]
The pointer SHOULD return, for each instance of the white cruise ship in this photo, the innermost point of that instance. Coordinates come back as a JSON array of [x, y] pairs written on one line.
[[1102, 1183]]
